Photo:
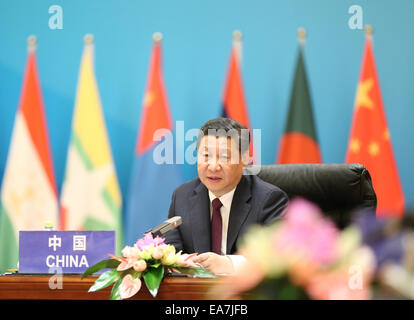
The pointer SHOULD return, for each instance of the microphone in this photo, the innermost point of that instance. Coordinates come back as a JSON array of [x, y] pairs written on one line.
[[166, 226]]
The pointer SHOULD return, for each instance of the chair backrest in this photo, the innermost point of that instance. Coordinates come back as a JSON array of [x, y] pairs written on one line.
[[338, 189]]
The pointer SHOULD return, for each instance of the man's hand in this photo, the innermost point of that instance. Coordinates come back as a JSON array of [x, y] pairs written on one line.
[[215, 263], [187, 260]]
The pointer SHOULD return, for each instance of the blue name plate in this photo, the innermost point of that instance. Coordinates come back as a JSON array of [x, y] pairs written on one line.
[[63, 251]]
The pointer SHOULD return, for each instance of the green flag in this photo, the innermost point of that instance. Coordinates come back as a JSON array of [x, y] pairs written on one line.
[[299, 143]]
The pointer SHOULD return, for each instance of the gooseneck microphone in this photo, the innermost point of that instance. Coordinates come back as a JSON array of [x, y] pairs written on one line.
[[166, 226]]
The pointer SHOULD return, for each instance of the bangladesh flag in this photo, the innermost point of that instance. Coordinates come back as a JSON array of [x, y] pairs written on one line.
[[299, 143]]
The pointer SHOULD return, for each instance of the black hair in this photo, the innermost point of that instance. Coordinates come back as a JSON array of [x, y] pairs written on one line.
[[226, 127]]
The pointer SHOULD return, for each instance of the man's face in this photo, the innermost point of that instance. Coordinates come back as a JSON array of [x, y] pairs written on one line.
[[219, 164]]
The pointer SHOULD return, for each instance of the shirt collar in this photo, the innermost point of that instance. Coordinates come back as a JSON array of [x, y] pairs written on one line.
[[225, 199]]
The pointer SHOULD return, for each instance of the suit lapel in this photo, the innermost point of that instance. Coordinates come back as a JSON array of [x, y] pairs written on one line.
[[239, 211], [200, 219]]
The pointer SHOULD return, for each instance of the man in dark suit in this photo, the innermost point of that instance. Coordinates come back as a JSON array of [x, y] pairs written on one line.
[[219, 206]]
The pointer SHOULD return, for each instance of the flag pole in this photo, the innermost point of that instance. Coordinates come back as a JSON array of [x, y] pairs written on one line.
[[88, 39], [302, 36], [369, 31], [237, 44], [157, 37], [31, 43]]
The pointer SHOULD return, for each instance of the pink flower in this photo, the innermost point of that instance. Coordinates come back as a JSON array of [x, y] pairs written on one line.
[[140, 265], [158, 241], [306, 234], [124, 265], [335, 286], [148, 240], [158, 253], [126, 251], [248, 276], [131, 253], [129, 287]]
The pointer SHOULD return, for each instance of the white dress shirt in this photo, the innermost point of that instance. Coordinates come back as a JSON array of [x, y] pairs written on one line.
[[226, 200]]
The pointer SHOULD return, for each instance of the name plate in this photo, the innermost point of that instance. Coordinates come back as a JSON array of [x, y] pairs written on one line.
[[63, 251]]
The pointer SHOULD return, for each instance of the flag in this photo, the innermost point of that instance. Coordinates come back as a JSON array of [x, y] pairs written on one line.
[[234, 102], [29, 193], [370, 140], [153, 180], [299, 142], [90, 199]]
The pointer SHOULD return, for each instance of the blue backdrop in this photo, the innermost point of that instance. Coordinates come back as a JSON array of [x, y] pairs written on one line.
[[197, 40]]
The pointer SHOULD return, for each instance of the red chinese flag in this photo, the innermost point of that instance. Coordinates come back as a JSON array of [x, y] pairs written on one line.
[[156, 111], [370, 142], [234, 102]]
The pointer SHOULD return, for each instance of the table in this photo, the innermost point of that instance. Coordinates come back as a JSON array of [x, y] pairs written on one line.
[[18, 286]]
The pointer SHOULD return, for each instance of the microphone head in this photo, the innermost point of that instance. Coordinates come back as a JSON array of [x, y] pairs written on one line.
[[166, 226]]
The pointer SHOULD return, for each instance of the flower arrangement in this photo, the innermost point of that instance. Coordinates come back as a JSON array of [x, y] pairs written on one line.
[[392, 241], [302, 256], [147, 259]]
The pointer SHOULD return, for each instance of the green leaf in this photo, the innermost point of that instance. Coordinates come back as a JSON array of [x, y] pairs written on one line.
[[105, 279], [197, 272], [115, 292], [104, 264], [153, 278]]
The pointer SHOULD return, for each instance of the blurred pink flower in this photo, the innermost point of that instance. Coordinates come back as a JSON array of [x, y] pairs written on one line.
[[148, 240], [124, 265], [308, 248], [335, 286], [306, 234], [248, 276], [158, 253], [140, 265], [129, 286]]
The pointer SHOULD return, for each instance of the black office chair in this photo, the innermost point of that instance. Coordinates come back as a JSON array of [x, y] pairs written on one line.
[[340, 190]]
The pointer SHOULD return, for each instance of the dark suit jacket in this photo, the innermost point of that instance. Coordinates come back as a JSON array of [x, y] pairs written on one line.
[[254, 202]]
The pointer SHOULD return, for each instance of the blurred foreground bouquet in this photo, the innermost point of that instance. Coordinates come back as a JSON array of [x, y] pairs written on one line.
[[302, 256], [392, 241], [147, 259]]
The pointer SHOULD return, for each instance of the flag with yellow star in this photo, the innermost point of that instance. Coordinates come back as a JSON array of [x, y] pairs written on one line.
[[154, 174], [91, 197], [29, 193], [370, 141], [234, 105]]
